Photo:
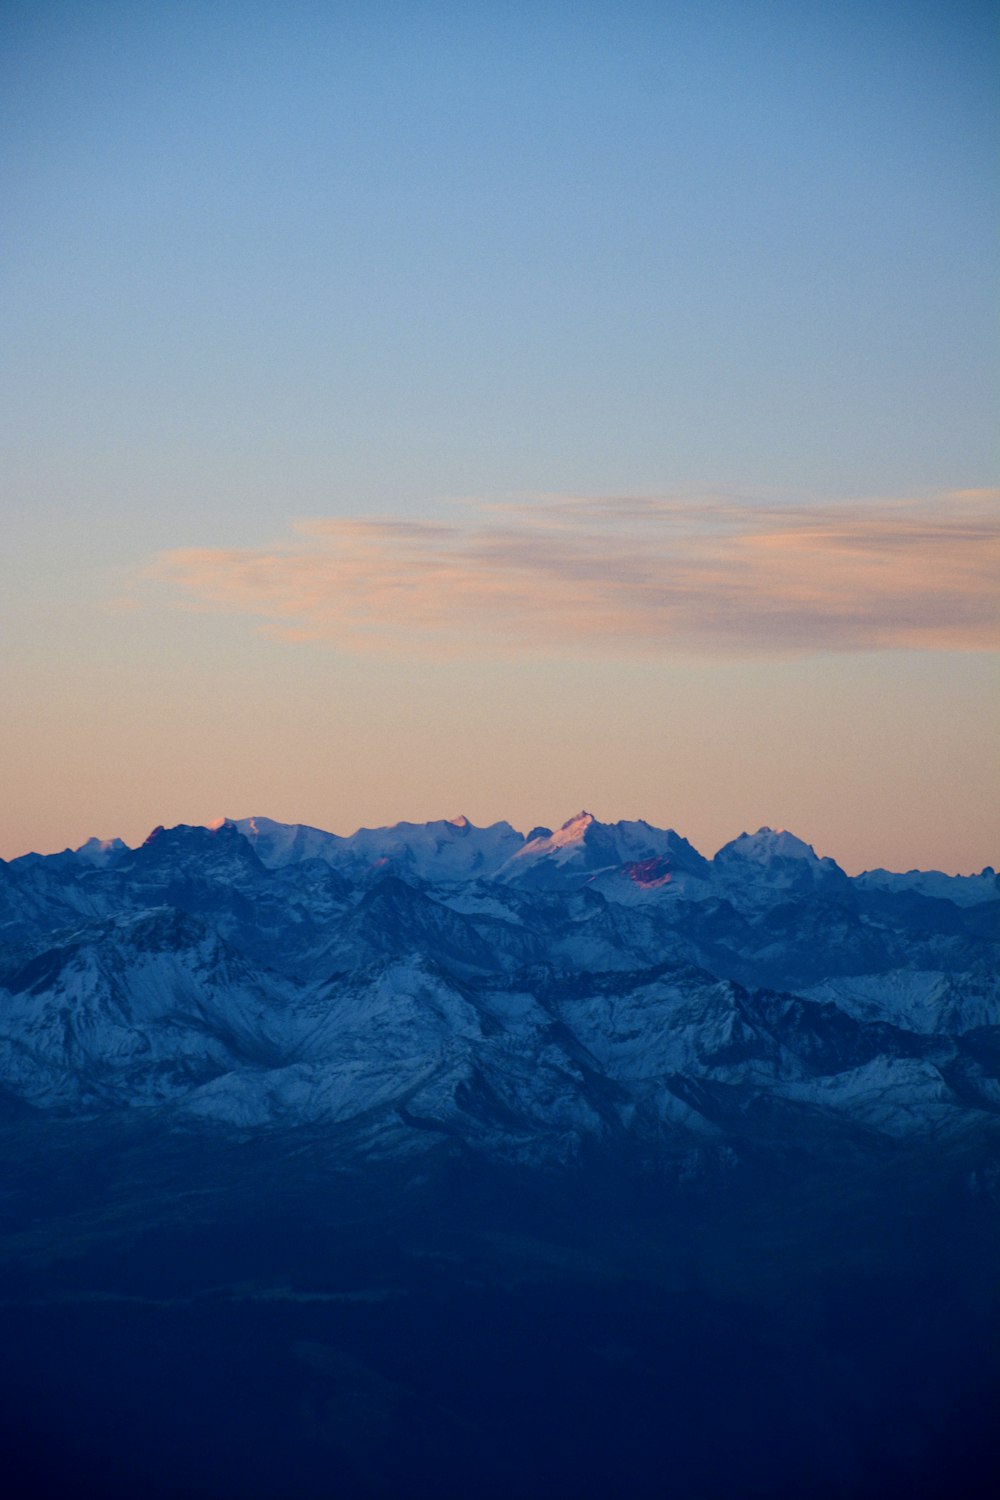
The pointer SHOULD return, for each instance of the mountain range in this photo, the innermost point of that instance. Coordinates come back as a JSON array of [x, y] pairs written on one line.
[[533, 997], [443, 1160]]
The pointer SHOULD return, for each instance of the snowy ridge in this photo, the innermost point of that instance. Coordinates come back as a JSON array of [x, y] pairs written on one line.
[[455, 850], [584, 848], [965, 890], [430, 986], [447, 849]]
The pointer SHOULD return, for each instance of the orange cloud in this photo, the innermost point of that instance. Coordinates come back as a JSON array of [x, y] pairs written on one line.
[[622, 575]]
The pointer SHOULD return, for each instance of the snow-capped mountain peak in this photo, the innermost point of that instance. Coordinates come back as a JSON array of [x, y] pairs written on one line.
[[279, 844], [572, 830], [100, 852], [767, 844], [583, 848], [771, 860], [445, 849]]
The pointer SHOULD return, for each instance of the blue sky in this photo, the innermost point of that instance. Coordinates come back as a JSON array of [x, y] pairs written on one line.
[[267, 263]]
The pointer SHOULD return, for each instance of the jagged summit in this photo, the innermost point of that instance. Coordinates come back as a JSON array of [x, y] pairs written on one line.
[[100, 851], [772, 860], [769, 843], [580, 851], [965, 890], [582, 819]]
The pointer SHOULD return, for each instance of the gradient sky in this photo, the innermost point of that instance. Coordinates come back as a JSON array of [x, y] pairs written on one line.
[[412, 409]]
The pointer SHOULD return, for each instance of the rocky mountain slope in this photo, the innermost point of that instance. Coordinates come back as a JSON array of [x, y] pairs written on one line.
[[601, 988], [449, 1161]]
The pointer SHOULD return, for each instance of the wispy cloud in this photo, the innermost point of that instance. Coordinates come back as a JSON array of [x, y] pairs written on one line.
[[622, 575]]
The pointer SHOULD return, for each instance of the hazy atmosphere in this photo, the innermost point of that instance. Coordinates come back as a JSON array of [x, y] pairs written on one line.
[[412, 410], [499, 927]]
